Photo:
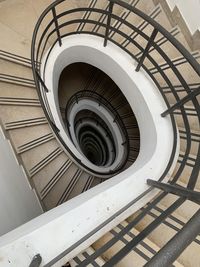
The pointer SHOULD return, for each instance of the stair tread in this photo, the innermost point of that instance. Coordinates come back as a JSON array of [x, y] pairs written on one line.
[[84, 255], [14, 69], [53, 198], [167, 232], [146, 249]]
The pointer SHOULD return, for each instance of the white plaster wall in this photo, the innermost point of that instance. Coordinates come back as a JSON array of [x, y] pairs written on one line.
[[18, 202], [190, 10]]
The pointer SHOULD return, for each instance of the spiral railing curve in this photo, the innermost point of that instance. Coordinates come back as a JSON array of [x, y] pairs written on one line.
[[174, 84]]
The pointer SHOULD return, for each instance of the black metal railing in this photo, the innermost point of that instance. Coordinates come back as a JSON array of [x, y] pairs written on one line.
[[177, 83], [36, 261], [53, 30], [101, 101]]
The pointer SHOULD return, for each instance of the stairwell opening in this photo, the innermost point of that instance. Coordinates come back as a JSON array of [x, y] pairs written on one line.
[[58, 68], [94, 138], [98, 118]]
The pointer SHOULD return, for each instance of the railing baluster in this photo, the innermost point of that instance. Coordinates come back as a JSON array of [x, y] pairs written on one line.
[[36, 261], [162, 40], [151, 39], [184, 100], [108, 23], [56, 25], [42, 82]]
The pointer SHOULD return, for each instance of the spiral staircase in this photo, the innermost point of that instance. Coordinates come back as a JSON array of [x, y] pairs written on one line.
[[81, 150]]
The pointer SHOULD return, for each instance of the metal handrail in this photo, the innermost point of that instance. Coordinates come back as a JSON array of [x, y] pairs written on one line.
[[101, 101], [156, 26], [143, 58]]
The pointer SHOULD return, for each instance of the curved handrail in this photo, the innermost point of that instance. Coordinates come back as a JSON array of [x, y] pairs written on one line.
[[168, 88], [102, 101], [36, 50], [165, 33]]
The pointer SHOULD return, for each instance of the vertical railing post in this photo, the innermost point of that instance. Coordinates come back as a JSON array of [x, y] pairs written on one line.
[[149, 44], [42, 82], [56, 25], [36, 261], [108, 23], [76, 99]]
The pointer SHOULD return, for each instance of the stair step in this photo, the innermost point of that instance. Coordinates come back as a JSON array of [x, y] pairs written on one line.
[[48, 179], [11, 79], [25, 123], [17, 91], [146, 7], [180, 91], [20, 18], [79, 258], [17, 59], [10, 36], [36, 160], [88, 183], [190, 162], [14, 113], [169, 228], [21, 136], [45, 161], [141, 25], [185, 211], [15, 69], [69, 189], [66, 179], [61, 166], [195, 137], [179, 61], [19, 101], [185, 175], [192, 118], [115, 240], [84, 183], [34, 143], [168, 20]]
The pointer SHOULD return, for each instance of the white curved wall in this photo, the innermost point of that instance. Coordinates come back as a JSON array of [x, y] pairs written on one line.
[[145, 100]]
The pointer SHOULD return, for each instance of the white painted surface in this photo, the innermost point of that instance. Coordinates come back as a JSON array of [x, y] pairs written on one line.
[[190, 10], [137, 88], [55, 231], [18, 202]]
